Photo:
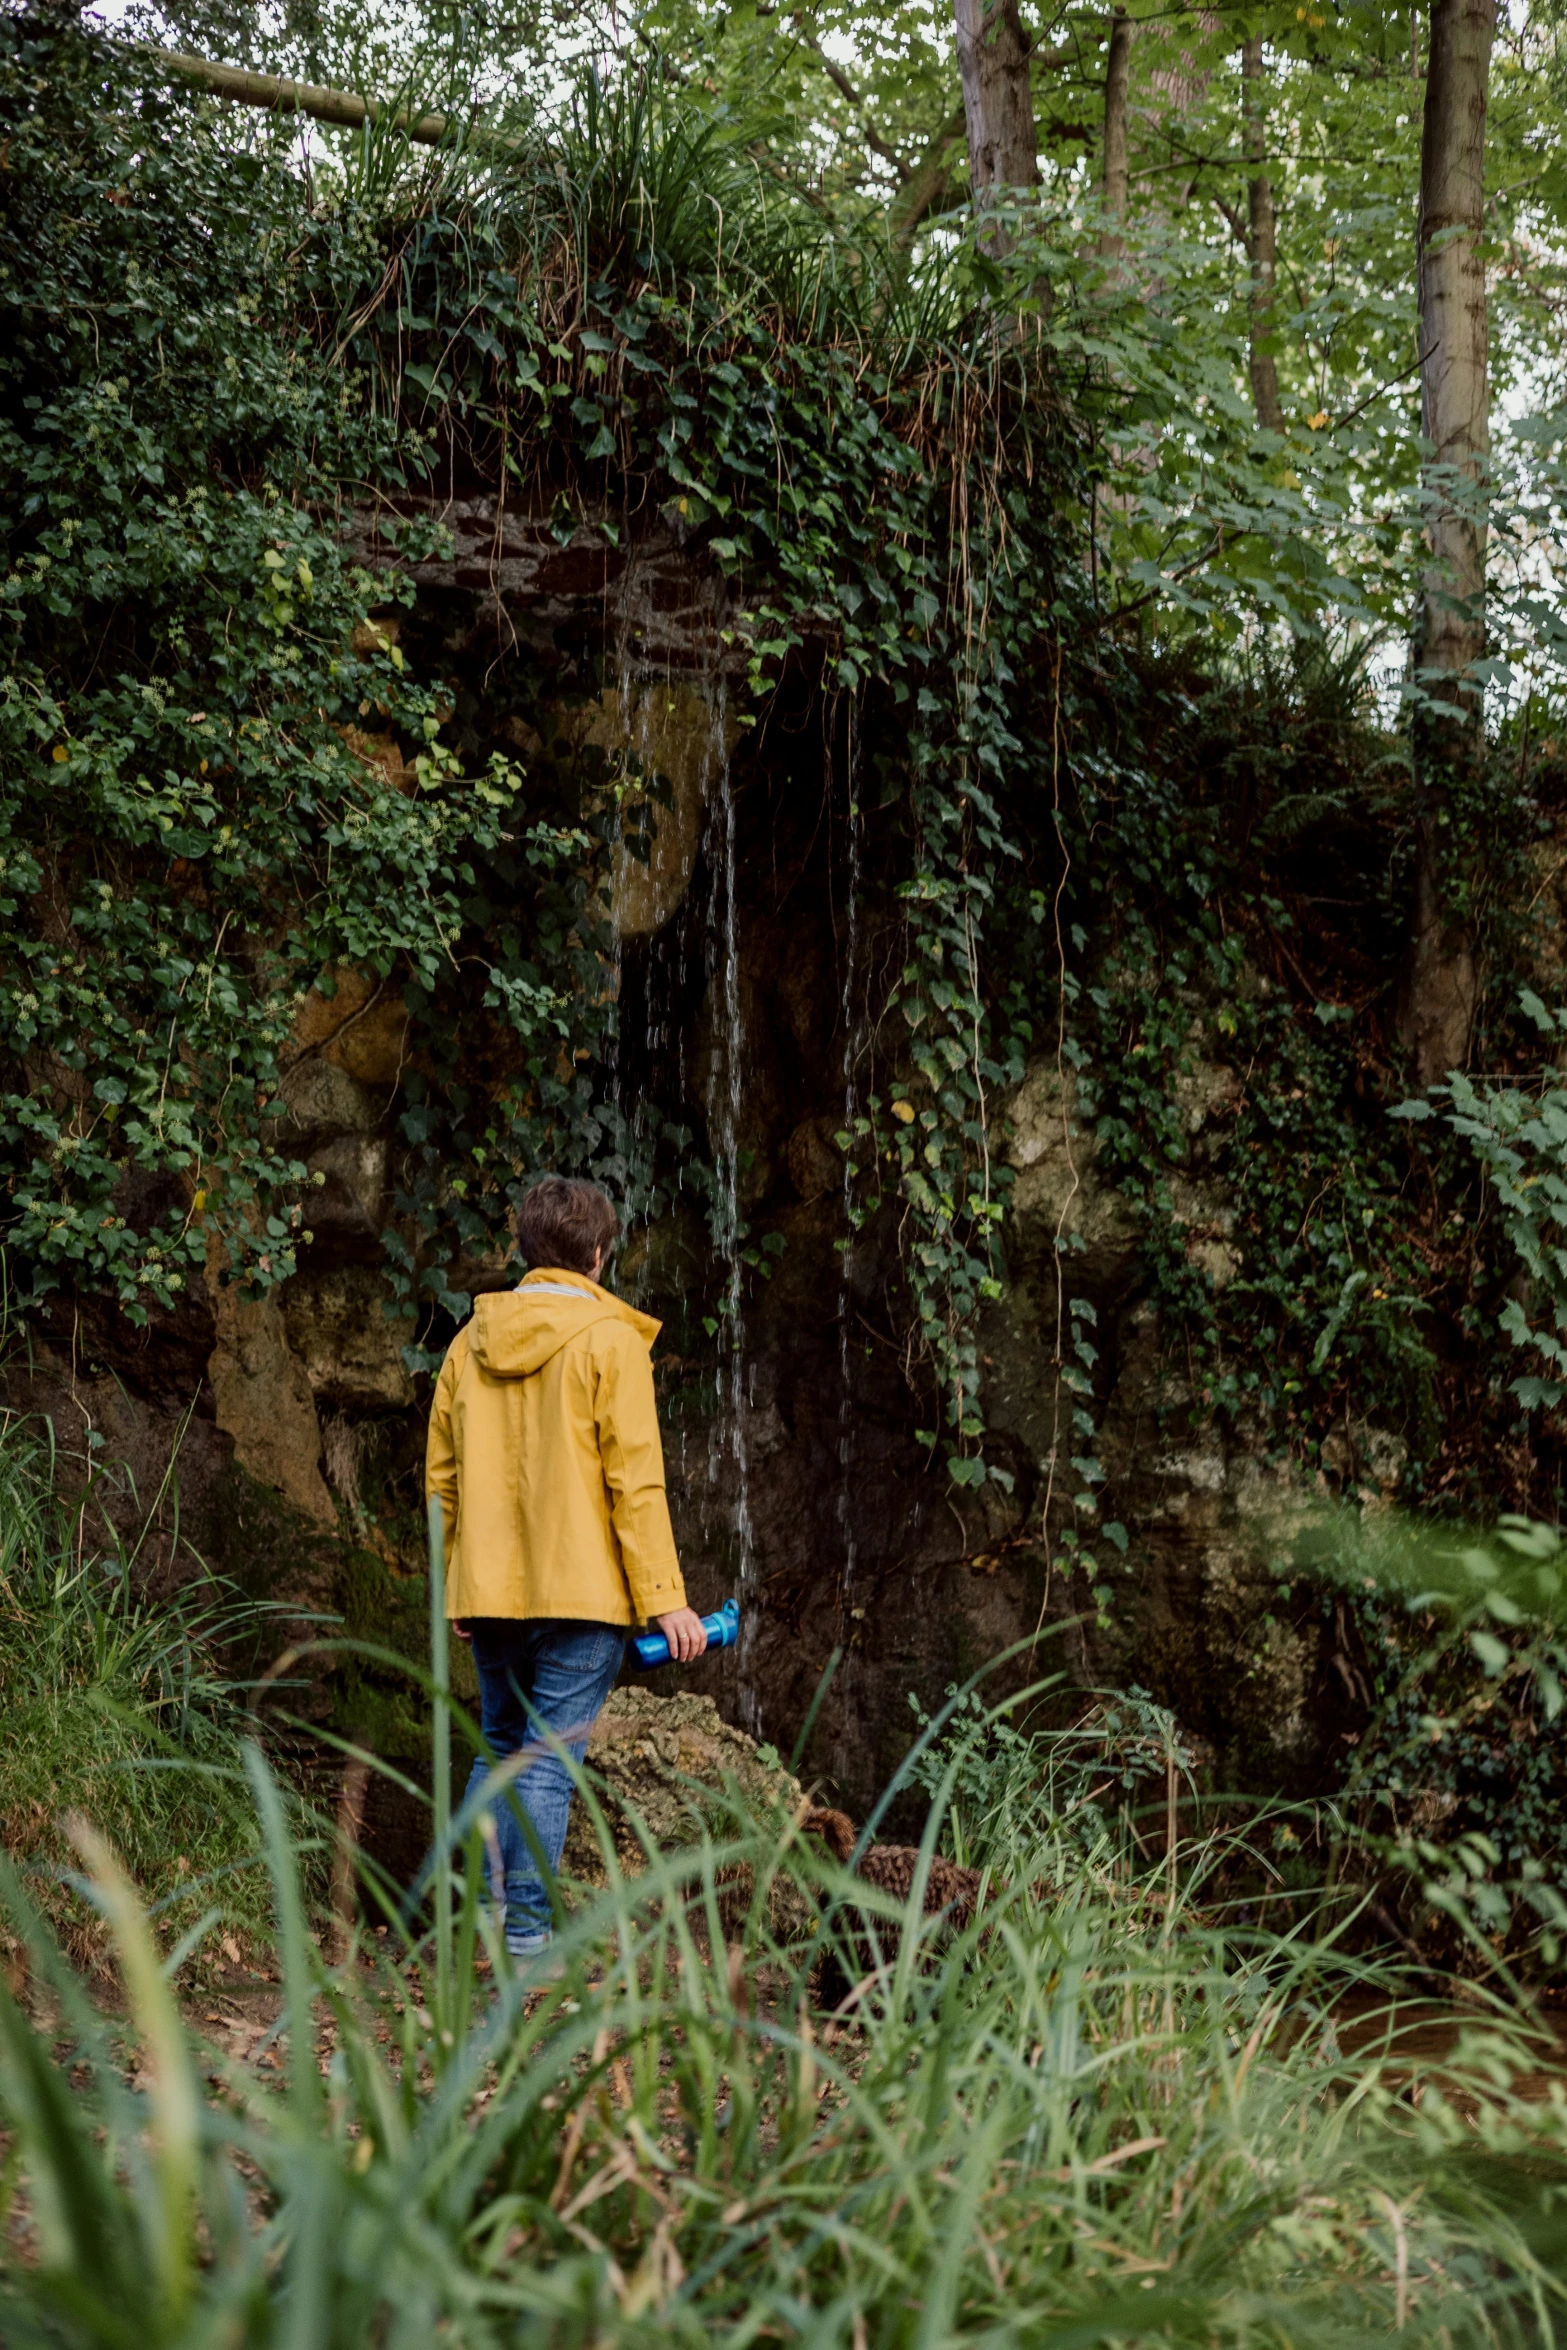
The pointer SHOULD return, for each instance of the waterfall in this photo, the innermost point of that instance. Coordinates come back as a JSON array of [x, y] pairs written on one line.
[[678, 725], [725, 1086], [848, 1601]]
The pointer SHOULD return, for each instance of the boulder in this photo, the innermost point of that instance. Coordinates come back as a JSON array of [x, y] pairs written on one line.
[[323, 1099], [670, 1762]]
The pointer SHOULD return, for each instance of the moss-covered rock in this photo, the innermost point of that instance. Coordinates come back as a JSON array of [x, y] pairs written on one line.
[[675, 1765]]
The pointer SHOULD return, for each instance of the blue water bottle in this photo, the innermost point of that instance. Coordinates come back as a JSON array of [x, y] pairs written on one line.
[[722, 1630]]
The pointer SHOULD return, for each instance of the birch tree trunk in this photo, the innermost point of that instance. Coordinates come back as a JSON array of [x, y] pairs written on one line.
[[998, 104], [1440, 985], [1261, 243], [1113, 184]]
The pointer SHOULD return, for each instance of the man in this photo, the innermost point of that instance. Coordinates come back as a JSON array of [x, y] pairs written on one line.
[[544, 1450]]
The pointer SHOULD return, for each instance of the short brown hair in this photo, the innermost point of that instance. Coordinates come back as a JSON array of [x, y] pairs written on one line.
[[565, 1221]]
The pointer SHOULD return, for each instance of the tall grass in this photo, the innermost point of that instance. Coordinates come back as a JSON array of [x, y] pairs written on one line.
[[117, 1706], [627, 179], [1099, 2114]]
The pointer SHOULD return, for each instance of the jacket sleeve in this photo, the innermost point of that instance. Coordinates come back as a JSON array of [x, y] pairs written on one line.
[[440, 1445], [633, 1459]]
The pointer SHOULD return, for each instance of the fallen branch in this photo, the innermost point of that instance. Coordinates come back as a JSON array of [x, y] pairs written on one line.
[[280, 94]]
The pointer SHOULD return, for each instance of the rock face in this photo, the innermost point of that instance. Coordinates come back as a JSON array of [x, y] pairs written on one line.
[[351, 1350], [1059, 1207], [291, 1432], [361, 1031], [261, 1398], [509, 569], [667, 746]]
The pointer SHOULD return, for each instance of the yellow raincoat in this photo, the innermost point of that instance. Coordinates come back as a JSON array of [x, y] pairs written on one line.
[[545, 1453]]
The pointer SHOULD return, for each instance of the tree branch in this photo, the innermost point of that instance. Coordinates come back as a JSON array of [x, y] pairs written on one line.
[[926, 184], [1181, 571], [1236, 224], [841, 82], [279, 94]]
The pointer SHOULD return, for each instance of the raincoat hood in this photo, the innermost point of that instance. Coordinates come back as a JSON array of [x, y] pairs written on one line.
[[515, 1331]]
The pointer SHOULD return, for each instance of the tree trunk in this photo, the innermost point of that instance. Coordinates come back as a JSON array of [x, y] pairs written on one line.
[[1261, 244], [1113, 175], [1438, 1003], [998, 105]]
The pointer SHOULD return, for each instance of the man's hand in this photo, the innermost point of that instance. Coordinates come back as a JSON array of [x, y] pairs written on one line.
[[682, 1628]]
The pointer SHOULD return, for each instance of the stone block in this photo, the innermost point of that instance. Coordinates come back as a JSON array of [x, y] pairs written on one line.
[[337, 1325], [362, 1027], [261, 1398]]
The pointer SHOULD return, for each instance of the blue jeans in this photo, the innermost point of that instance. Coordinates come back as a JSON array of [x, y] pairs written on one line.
[[537, 1671]]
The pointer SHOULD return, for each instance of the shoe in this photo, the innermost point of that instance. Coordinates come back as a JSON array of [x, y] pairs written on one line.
[[534, 1959]]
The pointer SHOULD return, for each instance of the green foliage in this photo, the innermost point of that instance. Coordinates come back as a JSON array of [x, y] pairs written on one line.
[[1330, 1287], [1233, 922], [1322, 513], [1453, 1794], [570, 316], [191, 834], [1518, 1133], [1007, 544], [993, 1775]]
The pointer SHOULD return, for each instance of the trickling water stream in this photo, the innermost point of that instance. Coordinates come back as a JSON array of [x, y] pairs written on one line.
[[661, 733], [726, 1083], [849, 1601]]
